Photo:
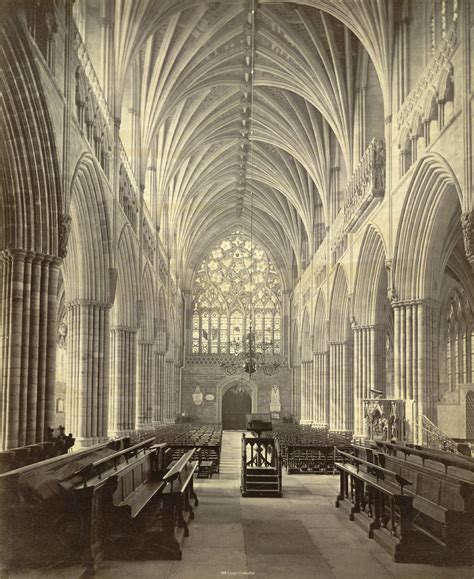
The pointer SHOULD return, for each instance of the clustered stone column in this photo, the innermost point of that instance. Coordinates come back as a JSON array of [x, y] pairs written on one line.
[[145, 394], [159, 381], [296, 397], [321, 389], [177, 390], [415, 359], [306, 400], [28, 317], [168, 414], [369, 368], [123, 361], [88, 371], [340, 378]]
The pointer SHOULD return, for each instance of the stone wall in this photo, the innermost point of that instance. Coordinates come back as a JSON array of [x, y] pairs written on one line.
[[212, 380]]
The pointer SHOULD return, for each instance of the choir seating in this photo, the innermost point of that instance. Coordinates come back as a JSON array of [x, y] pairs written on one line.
[[376, 498], [307, 449], [440, 486], [37, 524], [177, 498], [106, 501], [119, 498], [57, 443], [206, 439]]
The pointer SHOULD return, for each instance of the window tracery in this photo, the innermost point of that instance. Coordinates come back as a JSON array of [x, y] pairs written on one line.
[[235, 283], [458, 338]]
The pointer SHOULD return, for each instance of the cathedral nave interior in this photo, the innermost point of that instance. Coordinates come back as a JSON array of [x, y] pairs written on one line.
[[216, 209]]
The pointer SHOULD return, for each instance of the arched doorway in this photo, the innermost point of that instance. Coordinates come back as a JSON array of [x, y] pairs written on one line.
[[236, 403]]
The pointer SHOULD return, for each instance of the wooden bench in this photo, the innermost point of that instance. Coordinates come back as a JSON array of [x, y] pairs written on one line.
[[40, 525], [314, 459], [120, 498], [177, 510], [207, 452], [444, 501], [377, 499], [25, 455], [435, 459]]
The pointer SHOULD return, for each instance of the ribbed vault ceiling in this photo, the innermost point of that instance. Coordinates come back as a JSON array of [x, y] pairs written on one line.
[[235, 152]]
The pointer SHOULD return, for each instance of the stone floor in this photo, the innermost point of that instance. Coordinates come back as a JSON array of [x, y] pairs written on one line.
[[301, 535]]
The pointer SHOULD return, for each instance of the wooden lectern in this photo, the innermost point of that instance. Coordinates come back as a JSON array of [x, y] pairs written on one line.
[[258, 423]]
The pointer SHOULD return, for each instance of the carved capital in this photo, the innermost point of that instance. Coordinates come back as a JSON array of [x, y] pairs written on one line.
[[467, 223]]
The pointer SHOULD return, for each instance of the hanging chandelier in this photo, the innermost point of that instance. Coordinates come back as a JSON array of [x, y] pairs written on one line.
[[251, 357]]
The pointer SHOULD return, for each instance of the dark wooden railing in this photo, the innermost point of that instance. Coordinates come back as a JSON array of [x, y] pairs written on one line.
[[434, 508], [442, 457], [261, 464], [260, 452], [376, 494]]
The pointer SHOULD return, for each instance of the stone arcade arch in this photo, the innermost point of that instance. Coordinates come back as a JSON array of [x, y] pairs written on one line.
[[33, 237], [373, 325], [341, 395], [320, 413], [123, 339], [146, 366], [88, 298], [160, 334], [306, 370], [295, 361], [429, 238]]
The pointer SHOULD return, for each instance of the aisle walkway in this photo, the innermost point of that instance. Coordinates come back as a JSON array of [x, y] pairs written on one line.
[[301, 535]]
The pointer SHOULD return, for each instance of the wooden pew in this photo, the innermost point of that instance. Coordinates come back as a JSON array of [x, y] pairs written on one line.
[[134, 507], [119, 498], [443, 498], [25, 455], [435, 459], [37, 524], [376, 498], [302, 458], [206, 438], [177, 508]]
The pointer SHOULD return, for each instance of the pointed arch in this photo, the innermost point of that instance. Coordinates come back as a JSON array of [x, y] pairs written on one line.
[[429, 229], [86, 267], [339, 313], [30, 191], [161, 331], [305, 346], [125, 307], [320, 334], [149, 304], [370, 293]]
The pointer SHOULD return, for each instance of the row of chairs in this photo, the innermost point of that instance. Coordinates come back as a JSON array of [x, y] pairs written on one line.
[[205, 438], [308, 449]]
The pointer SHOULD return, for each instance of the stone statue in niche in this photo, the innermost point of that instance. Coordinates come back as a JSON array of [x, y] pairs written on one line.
[[62, 335], [275, 405]]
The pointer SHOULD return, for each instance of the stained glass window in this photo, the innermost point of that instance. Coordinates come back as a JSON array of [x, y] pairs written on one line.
[[235, 283]]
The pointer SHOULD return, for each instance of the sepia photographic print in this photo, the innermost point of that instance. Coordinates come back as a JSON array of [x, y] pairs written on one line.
[[236, 289]]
